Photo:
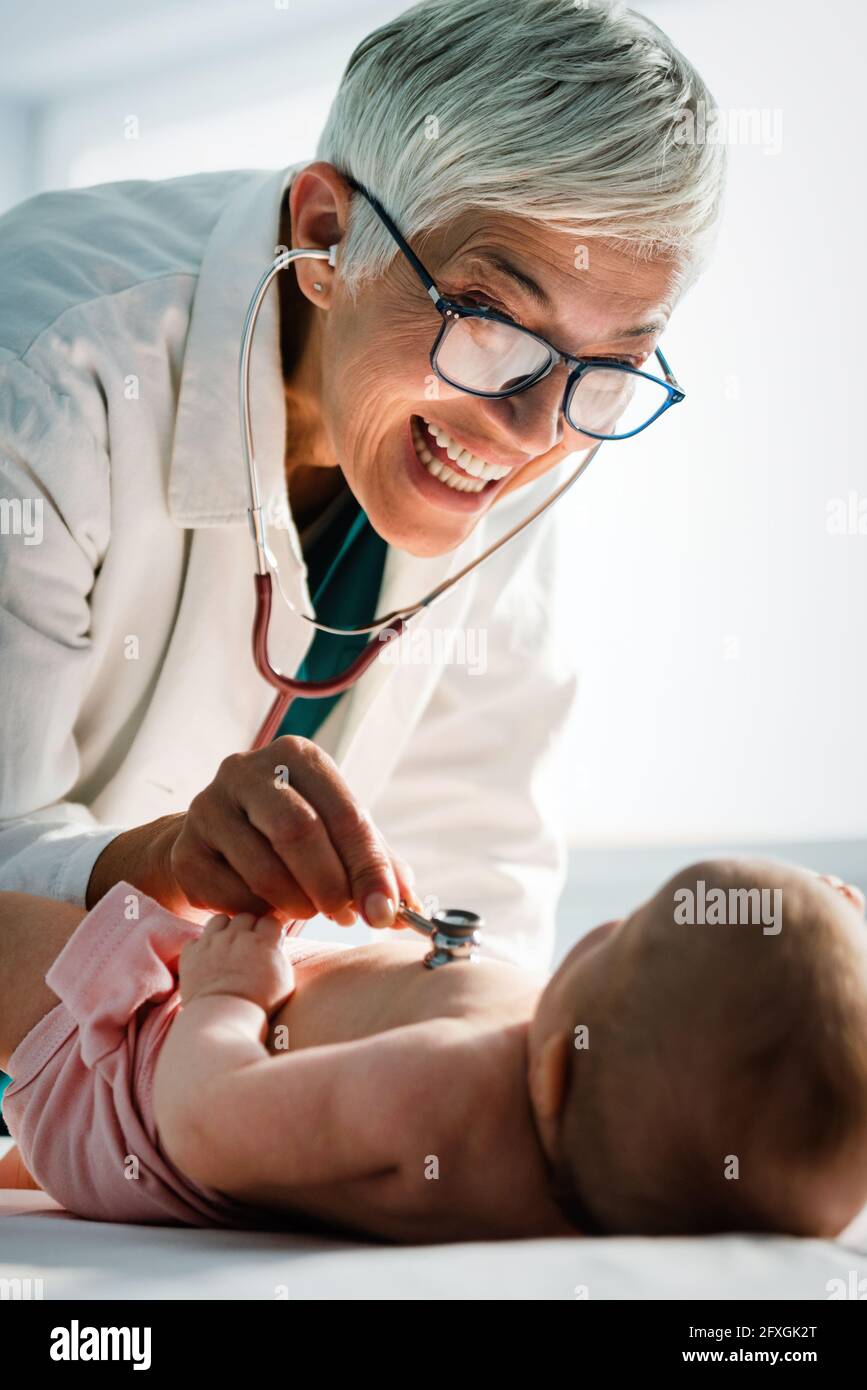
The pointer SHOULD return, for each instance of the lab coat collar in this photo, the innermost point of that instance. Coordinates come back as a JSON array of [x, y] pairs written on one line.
[[207, 484]]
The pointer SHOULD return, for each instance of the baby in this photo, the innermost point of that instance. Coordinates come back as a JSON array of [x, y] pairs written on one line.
[[698, 1066]]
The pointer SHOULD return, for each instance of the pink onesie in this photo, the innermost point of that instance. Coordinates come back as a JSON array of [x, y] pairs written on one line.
[[80, 1105]]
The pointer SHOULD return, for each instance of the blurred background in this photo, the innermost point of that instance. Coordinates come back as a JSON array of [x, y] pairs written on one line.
[[716, 566]]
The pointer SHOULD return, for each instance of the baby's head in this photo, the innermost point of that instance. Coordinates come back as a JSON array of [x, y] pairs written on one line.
[[702, 1065]]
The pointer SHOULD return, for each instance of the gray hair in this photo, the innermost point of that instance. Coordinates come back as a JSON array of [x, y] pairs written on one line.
[[575, 114]]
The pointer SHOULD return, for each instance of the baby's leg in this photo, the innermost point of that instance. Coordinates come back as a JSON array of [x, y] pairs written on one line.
[[33, 932]]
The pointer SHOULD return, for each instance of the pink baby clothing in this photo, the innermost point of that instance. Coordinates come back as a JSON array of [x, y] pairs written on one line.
[[80, 1106]]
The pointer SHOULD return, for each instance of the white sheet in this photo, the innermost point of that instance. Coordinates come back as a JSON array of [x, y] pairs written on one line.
[[92, 1260]]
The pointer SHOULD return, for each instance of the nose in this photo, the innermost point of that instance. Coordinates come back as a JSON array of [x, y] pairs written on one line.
[[533, 420]]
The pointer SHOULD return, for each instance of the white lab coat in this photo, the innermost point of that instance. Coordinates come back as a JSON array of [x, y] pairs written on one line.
[[125, 631]]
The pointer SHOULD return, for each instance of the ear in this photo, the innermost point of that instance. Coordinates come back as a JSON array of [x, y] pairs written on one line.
[[319, 207], [550, 1074]]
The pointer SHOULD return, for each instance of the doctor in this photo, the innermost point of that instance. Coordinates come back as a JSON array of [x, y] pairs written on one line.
[[530, 156]]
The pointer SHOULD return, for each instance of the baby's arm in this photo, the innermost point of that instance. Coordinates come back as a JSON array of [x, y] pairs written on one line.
[[234, 1118]]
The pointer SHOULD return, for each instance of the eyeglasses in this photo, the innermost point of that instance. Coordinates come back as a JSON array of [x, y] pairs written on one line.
[[485, 354]]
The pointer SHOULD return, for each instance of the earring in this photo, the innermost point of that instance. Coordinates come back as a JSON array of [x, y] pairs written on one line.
[[316, 285]]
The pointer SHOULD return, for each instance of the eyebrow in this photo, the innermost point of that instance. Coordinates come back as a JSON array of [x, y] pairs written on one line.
[[506, 267], [655, 326], [535, 291]]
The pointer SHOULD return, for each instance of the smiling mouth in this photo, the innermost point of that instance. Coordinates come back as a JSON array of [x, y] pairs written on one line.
[[447, 460]]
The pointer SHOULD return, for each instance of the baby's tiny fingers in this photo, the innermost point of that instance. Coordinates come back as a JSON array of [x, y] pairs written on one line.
[[271, 929], [215, 924], [244, 921]]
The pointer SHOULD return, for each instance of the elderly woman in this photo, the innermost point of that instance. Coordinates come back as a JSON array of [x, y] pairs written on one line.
[[516, 209]]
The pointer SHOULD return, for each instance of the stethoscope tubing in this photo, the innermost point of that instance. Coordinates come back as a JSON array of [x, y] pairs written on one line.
[[289, 689]]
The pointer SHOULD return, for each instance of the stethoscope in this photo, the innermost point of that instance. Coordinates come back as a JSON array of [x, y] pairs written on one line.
[[454, 933]]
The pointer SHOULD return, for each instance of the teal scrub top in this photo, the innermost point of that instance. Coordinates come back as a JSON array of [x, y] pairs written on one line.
[[344, 576]]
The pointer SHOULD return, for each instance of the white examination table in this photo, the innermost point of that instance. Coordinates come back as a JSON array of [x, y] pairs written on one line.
[[91, 1260]]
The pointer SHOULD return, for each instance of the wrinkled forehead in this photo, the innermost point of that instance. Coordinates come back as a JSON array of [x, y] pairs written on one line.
[[568, 285]]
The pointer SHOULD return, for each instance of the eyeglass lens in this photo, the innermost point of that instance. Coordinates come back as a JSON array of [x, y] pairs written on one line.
[[485, 355]]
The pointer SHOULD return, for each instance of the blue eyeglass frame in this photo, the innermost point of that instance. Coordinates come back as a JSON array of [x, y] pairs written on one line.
[[451, 312]]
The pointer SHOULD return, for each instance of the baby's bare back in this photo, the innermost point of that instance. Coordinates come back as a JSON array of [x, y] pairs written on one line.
[[341, 996]]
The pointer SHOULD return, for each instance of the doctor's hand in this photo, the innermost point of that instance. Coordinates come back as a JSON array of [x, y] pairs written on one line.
[[278, 830]]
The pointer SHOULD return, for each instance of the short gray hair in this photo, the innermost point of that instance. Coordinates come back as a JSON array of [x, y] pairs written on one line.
[[570, 113]]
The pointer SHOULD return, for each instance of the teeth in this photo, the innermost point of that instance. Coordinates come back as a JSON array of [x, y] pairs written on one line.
[[458, 454], [441, 470]]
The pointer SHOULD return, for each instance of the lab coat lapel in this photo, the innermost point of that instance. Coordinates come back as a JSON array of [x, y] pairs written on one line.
[[209, 663], [207, 481]]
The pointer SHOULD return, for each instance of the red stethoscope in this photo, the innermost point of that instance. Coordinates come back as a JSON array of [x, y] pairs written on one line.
[[388, 628]]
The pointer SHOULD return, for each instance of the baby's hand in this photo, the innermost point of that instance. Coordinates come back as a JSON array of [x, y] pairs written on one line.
[[240, 955]]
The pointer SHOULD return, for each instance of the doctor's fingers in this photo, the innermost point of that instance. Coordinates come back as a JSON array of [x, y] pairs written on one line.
[[208, 874], [406, 884], [356, 840], [209, 882], [281, 849]]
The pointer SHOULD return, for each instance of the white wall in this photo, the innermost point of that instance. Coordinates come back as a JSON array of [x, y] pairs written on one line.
[[18, 124], [716, 621], [719, 626]]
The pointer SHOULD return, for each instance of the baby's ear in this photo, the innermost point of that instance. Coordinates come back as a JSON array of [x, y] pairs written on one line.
[[550, 1074]]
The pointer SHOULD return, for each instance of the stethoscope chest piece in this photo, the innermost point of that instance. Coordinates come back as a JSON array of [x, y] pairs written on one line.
[[454, 933]]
